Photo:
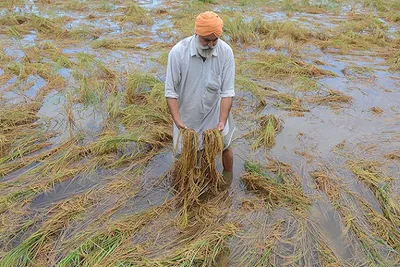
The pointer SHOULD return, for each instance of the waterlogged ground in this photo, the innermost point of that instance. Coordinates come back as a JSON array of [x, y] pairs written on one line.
[[85, 135]]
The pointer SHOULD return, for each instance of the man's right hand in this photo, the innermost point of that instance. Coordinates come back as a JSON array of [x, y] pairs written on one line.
[[180, 124]]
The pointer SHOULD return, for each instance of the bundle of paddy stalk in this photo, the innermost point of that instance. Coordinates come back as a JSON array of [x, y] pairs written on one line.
[[190, 180]]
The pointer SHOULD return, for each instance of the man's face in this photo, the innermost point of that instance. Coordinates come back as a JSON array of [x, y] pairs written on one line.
[[209, 41]]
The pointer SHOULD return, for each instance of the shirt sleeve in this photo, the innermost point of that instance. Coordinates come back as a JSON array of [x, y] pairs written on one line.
[[228, 76], [173, 76]]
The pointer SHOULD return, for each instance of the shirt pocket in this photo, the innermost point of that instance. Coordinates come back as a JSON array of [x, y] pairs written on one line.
[[212, 91]]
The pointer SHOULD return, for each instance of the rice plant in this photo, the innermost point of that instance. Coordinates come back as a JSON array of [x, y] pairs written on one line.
[[272, 191], [368, 172], [135, 14], [270, 126], [281, 66]]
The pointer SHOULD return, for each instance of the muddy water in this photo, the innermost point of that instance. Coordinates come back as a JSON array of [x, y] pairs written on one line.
[[307, 143]]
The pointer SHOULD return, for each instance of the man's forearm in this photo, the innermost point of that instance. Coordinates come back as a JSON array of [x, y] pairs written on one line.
[[226, 104], [174, 110]]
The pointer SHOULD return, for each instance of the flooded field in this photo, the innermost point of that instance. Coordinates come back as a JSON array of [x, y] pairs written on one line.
[[86, 136]]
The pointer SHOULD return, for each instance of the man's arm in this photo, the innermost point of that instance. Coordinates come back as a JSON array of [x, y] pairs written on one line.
[[227, 89], [174, 110], [172, 80], [226, 104]]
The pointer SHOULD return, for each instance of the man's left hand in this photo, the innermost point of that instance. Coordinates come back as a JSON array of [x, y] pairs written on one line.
[[221, 126]]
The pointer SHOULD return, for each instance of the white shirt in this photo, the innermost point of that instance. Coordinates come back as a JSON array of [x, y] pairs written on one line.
[[199, 85]]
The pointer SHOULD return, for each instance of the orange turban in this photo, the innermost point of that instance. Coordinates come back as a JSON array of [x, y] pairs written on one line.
[[208, 23]]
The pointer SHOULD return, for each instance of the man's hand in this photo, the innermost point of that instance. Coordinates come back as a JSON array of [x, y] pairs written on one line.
[[221, 126], [180, 124]]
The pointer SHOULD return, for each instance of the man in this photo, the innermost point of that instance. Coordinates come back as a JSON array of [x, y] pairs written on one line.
[[199, 85]]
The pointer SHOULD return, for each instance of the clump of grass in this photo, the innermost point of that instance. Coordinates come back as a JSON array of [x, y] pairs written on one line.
[[152, 120], [95, 78], [393, 155], [21, 24], [74, 5], [28, 251], [284, 172], [281, 66], [243, 30], [207, 1], [368, 172], [91, 66], [162, 59], [367, 243], [11, 3], [114, 106], [69, 113], [358, 32], [49, 27], [383, 6], [110, 148], [262, 92], [48, 49], [124, 43], [44, 70], [203, 251], [11, 117], [141, 115], [3, 56], [135, 14], [270, 127], [139, 85], [275, 193], [327, 257], [331, 98], [13, 19], [18, 196], [327, 185], [238, 29], [243, 83], [69, 153], [381, 226], [333, 191], [4, 145], [359, 72], [395, 62], [23, 146], [184, 19], [93, 248], [84, 32], [286, 30], [376, 110], [260, 253]]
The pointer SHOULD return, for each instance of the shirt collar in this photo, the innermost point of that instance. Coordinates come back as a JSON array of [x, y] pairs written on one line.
[[193, 49]]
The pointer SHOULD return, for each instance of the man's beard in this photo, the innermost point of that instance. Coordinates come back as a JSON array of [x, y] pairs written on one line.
[[204, 51]]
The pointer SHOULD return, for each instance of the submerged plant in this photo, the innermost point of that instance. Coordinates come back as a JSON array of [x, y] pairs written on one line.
[[275, 193], [333, 191], [270, 127], [280, 66], [379, 184], [332, 97], [134, 13], [395, 62]]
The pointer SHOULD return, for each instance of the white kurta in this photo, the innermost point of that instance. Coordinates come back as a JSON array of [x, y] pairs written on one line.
[[199, 86]]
